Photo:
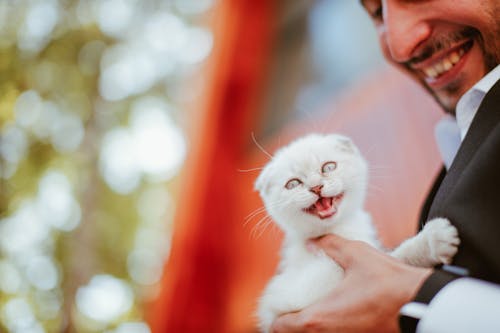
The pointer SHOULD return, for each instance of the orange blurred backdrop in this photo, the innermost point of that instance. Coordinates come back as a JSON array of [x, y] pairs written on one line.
[[221, 255]]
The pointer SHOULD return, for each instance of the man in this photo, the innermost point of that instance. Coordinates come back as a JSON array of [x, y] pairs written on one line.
[[452, 48]]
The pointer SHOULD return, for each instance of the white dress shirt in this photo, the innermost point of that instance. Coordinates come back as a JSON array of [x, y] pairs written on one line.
[[465, 305], [449, 131]]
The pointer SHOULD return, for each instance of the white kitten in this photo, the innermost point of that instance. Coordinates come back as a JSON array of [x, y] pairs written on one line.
[[314, 186]]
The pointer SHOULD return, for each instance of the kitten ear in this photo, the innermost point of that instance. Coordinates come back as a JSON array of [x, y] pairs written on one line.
[[262, 182], [345, 144]]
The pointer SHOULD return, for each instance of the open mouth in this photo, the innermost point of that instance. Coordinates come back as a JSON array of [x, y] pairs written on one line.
[[436, 69], [325, 207]]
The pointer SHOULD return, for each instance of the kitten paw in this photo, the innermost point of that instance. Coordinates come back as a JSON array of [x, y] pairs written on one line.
[[442, 238]]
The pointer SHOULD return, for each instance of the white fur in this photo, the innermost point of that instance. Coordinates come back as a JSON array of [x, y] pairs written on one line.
[[436, 244], [305, 277]]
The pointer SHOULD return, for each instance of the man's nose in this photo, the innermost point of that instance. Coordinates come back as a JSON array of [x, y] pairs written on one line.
[[405, 28]]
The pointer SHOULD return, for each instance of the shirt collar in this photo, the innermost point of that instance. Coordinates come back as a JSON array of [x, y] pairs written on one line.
[[469, 103], [487, 82], [451, 131]]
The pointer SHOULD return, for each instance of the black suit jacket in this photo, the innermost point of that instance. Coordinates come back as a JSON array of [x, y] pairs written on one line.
[[469, 196]]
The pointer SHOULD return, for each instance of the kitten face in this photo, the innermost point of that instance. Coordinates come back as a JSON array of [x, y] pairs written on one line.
[[313, 183]]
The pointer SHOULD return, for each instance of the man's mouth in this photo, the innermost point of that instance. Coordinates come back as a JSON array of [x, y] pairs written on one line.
[[325, 207], [436, 69]]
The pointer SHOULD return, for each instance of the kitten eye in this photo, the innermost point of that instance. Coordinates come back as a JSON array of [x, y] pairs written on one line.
[[292, 183], [328, 167]]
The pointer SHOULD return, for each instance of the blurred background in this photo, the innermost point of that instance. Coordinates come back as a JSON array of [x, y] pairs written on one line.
[[129, 144]]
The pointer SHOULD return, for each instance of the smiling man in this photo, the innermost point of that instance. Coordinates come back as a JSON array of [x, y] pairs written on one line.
[[452, 48], [448, 46]]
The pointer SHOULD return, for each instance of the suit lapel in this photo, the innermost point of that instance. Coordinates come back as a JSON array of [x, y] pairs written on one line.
[[486, 118], [424, 212]]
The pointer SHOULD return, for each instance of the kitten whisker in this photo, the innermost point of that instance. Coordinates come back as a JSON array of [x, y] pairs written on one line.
[[268, 223], [261, 226], [262, 209], [256, 212], [260, 147], [250, 170]]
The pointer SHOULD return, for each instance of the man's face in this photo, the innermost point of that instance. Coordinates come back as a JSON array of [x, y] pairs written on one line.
[[446, 45]]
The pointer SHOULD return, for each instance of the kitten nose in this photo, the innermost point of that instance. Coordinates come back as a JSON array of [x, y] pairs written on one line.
[[316, 189]]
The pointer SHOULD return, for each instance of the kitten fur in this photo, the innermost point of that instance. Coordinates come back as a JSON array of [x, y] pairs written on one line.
[[314, 186]]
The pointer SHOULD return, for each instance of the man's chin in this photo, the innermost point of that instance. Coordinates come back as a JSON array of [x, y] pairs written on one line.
[[447, 102]]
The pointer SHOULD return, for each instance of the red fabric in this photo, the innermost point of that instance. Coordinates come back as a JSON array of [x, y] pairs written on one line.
[[195, 293]]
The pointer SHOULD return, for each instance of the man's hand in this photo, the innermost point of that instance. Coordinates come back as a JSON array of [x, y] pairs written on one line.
[[369, 297]]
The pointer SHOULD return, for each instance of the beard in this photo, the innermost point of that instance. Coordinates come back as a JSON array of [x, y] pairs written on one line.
[[490, 48]]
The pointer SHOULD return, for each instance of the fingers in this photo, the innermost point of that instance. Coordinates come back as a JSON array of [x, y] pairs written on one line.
[[339, 249]]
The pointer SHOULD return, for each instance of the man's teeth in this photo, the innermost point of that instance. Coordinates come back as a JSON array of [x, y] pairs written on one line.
[[444, 65]]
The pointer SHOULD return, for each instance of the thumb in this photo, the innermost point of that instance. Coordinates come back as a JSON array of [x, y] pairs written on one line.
[[338, 248], [288, 322]]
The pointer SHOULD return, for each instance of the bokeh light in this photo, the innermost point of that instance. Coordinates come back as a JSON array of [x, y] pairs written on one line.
[[10, 278], [13, 148], [18, 316], [42, 273], [90, 148], [56, 203], [132, 327], [118, 165], [158, 143], [104, 299], [24, 232], [41, 18]]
